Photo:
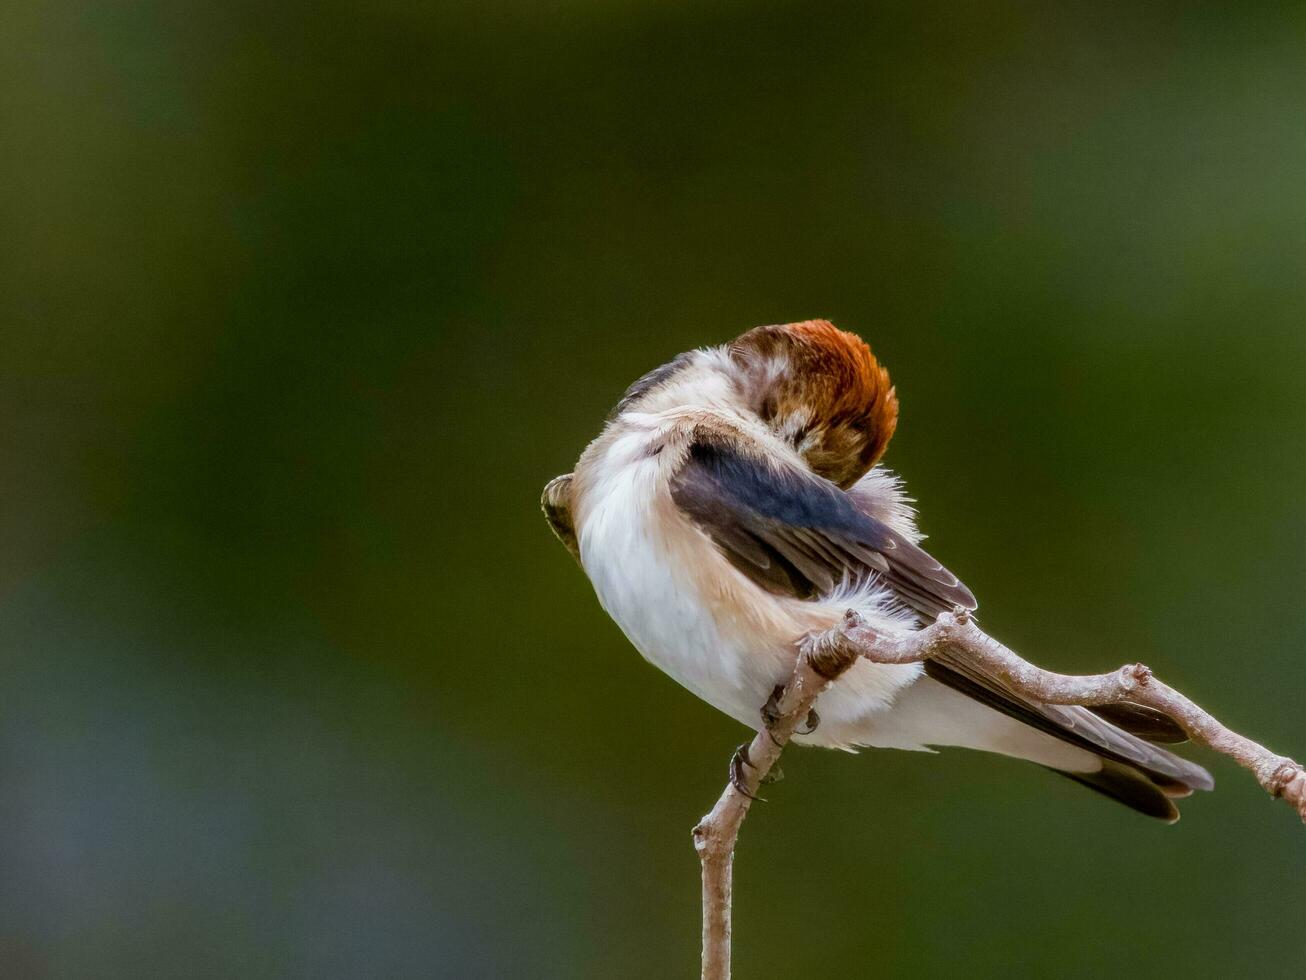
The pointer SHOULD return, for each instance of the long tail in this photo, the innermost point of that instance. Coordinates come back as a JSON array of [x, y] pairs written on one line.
[[1075, 742], [1133, 769]]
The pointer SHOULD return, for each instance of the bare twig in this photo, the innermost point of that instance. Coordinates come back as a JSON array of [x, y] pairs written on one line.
[[824, 656], [1278, 775], [820, 662]]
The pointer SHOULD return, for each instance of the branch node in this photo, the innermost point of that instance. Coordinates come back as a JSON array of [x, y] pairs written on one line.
[[1136, 675], [853, 620], [1283, 778], [706, 843]]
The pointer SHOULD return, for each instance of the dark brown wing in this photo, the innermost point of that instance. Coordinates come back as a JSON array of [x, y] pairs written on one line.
[[794, 533]]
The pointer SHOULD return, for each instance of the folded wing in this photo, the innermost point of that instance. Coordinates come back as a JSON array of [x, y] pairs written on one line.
[[794, 533]]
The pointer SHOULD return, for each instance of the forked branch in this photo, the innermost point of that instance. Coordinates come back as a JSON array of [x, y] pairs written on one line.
[[825, 656]]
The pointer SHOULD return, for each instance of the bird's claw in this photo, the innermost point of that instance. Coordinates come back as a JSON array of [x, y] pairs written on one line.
[[737, 763], [771, 715], [771, 710], [813, 719]]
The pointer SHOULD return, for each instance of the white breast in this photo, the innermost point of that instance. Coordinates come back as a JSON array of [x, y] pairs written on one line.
[[654, 603]]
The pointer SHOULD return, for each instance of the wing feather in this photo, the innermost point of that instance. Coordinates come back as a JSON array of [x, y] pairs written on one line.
[[795, 533], [808, 527]]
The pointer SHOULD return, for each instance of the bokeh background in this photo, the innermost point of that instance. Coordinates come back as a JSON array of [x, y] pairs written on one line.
[[303, 303]]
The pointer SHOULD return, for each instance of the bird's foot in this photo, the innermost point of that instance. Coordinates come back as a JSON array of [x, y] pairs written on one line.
[[771, 710], [771, 715], [737, 763]]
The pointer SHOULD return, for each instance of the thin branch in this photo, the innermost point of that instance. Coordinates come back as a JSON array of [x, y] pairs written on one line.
[[957, 632], [825, 656], [818, 664]]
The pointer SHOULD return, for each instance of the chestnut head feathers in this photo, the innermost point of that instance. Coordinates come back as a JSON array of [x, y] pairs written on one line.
[[815, 386], [822, 390]]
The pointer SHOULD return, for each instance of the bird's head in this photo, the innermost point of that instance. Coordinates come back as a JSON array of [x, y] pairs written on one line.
[[815, 386], [821, 390]]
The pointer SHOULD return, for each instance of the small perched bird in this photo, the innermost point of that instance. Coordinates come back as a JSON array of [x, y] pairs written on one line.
[[733, 503]]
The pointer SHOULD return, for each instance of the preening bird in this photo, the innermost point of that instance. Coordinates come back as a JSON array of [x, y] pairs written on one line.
[[734, 502]]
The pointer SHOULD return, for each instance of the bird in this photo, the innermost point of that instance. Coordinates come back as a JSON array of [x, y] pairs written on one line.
[[735, 502]]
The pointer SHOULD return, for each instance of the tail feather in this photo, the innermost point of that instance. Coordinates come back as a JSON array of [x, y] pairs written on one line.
[[1140, 720], [1095, 754], [1127, 785]]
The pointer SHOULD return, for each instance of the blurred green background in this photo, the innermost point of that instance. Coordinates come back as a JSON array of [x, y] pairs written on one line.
[[303, 303]]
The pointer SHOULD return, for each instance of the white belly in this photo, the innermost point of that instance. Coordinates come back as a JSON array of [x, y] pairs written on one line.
[[660, 608]]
